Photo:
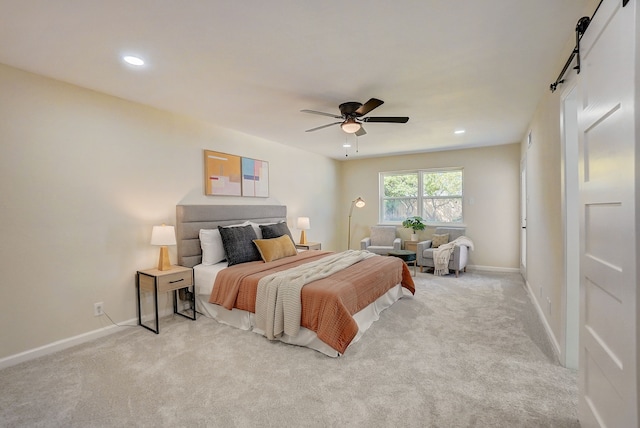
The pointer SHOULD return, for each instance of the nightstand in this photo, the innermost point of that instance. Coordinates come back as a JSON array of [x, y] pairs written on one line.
[[160, 281], [411, 245], [309, 246]]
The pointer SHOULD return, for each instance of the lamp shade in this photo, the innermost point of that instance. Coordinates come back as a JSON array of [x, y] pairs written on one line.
[[163, 235], [358, 203], [303, 223], [350, 126]]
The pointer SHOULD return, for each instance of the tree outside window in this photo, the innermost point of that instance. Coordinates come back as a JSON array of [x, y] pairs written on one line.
[[400, 197], [435, 195]]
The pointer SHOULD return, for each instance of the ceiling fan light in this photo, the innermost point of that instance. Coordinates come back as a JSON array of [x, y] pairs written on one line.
[[350, 126]]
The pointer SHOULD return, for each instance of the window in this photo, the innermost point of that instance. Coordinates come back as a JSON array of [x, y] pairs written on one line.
[[434, 195]]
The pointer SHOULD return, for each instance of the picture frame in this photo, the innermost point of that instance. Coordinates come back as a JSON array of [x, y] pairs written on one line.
[[222, 174], [255, 178]]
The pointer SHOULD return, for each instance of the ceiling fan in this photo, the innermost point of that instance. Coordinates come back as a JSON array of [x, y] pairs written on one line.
[[351, 115]]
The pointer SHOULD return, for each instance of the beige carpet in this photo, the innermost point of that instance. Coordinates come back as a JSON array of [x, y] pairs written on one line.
[[464, 352]]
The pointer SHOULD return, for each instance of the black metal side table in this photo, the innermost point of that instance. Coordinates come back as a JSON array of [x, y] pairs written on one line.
[[161, 281]]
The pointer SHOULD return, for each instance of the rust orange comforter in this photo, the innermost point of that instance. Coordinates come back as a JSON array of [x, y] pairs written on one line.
[[328, 304]]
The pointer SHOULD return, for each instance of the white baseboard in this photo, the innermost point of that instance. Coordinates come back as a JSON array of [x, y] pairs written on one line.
[[492, 269], [547, 328], [60, 345]]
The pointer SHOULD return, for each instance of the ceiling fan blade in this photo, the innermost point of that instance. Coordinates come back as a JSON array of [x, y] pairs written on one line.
[[361, 132], [321, 113], [323, 126], [368, 106], [386, 119]]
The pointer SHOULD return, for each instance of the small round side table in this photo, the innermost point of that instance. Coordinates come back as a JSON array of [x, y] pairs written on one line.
[[407, 256]]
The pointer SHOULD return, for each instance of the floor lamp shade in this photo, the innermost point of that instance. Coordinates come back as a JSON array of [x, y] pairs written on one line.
[[303, 224], [163, 236]]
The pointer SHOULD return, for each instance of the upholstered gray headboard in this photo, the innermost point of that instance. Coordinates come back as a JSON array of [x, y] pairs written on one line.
[[191, 218]]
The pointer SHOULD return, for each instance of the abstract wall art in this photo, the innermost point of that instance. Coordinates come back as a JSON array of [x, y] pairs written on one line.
[[255, 178], [222, 174]]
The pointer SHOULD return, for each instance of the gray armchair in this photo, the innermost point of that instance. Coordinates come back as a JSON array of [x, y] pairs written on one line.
[[459, 258], [382, 240]]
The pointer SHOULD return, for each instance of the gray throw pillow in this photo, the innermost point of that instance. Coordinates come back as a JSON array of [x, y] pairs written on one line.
[[275, 230], [238, 244]]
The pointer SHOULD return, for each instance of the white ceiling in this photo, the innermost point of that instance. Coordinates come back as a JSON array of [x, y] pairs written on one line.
[[252, 65]]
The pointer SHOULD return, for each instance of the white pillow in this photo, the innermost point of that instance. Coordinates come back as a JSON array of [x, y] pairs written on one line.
[[211, 244], [256, 228]]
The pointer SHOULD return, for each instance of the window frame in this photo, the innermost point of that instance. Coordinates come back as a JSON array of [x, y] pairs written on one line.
[[420, 194]]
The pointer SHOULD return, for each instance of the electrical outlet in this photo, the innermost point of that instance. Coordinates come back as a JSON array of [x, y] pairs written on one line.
[[98, 309]]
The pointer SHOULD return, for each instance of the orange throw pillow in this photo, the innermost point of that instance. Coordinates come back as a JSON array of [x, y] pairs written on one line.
[[275, 248]]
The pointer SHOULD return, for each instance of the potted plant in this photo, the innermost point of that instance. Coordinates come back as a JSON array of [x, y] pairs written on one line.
[[414, 223]]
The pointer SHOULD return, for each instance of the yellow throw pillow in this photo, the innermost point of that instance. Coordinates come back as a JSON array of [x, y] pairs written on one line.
[[275, 248], [438, 240]]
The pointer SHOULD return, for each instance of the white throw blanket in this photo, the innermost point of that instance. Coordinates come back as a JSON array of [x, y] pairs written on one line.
[[278, 305], [442, 254]]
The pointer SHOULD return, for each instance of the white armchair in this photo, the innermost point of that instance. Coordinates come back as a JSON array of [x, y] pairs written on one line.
[[459, 257], [382, 240]]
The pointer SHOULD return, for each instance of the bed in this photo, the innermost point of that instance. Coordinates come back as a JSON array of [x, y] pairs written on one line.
[[354, 295]]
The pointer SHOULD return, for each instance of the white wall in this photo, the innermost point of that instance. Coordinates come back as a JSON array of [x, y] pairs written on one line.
[[545, 250], [545, 273], [490, 206], [83, 179]]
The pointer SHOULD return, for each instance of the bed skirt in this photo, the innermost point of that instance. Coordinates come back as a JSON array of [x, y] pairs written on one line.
[[245, 320]]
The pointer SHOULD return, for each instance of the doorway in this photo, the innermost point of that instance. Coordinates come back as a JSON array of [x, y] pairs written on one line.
[[523, 214]]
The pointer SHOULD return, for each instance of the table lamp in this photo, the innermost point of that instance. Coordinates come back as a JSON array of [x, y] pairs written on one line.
[[163, 236], [303, 225]]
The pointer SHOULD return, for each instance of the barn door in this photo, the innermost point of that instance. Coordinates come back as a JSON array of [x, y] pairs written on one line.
[[608, 337]]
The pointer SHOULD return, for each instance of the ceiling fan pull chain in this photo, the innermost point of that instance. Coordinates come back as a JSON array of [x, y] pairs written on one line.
[[346, 145]]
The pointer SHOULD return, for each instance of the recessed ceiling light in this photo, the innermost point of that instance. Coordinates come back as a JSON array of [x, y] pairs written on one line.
[[133, 60], [459, 131]]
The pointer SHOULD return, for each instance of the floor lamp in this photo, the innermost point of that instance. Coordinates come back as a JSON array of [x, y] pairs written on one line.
[[358, 203]]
